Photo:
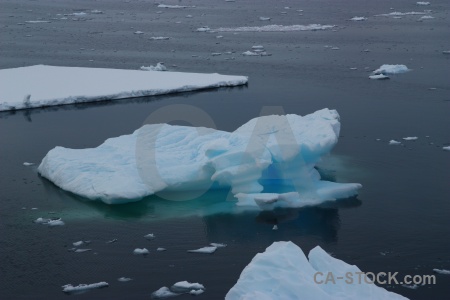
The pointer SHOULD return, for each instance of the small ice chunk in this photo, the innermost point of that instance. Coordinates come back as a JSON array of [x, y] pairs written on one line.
[[139, 251], [216, 53], [446, 148], [163, 293], [207, 249], [96, 12], [70, 289], [379, 77], [394, 142], [79, 243], [149, 236], [218, 245], [446, 52], [275, 227], [159, 67], [410, 138], [57, 222], [41, 221], [28, 164], [260, 47], [124, 279], [423, 3], [196, 292], [391, 69], [264, 18], [159, 38], [358, 19], [204, 29], [334, 48], [184, 286], [426, 18], [161, 249], [174, 6], [276, 28], [82, 250], [444, 272], [111, 241], [138, 32]]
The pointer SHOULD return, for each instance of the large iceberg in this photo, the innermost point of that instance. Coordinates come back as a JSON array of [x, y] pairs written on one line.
[[160, 158], [284, 272], [40, 85]]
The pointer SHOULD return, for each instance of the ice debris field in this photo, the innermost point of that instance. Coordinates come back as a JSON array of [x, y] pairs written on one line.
[[284, 272], [40, 85], [268, 150]]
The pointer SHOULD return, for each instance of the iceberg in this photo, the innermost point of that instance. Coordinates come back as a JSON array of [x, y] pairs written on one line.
[[161, 158], [41, 85], [284, 272], [391, 69]]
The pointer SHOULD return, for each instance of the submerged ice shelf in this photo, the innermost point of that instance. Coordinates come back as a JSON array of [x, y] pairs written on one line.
[[40, 85], [269, 150], [284, 272]]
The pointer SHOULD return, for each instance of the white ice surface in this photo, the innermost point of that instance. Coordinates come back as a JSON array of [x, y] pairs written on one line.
[[410, 138], [162, 157], [358, 19], [206, 250], [138, 251], [283, 272], [124, 279], [41, 85], [275, 28], [163, 293], [188, 286], [391, 69], [68, 288], [394, 142]]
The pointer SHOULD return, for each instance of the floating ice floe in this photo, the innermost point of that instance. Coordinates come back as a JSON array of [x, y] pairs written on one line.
[[111, 241], [275, 227], [174, 6], [264, 18], [284, 272], [446, 52], [70, 289], [163, 293], [28, 164], [139, 251], [410, 138], [161, 157], [161, 249], [80, 243], [37, 21], [159, 38], [398, 14], [207, 250], [426, 18], [275, 28], [82, 250], [446, 148], [218, 245], [50, 222], [149, 236], [124, 279], [358, 19], [96, 12], [138, 32], [391, 69], [423, 3], [179, 288], [378, 77], [38, 86], [443, 272], [394, 142], [159, 67]]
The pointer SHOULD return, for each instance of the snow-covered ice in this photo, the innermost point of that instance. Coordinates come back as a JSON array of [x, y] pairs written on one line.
[[196, 292], [410, 138], [358, 19], [442, 271], [70, 289], [284, 272], [183, 286], [275, 28], [139, 251], [378, 77], [159, 67], [207, 250], [394, 142], [282, 149], [163, 293], [124, 279], [391, 69], [41, 85]]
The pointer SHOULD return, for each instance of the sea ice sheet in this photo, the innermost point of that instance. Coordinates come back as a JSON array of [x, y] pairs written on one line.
[[40, 85], [162, 157], [284, 272]]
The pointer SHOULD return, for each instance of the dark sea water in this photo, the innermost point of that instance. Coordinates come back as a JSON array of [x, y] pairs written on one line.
[[402, 210]]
